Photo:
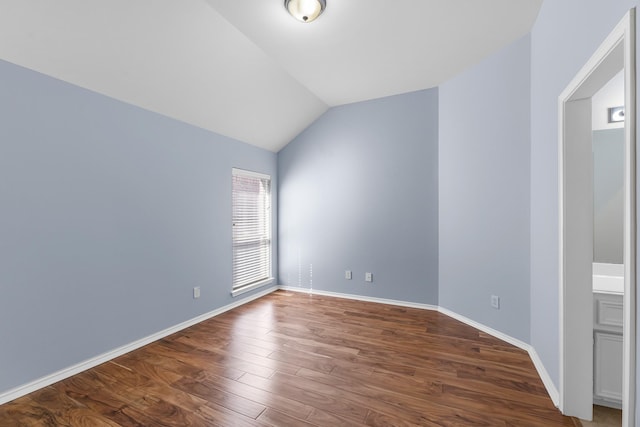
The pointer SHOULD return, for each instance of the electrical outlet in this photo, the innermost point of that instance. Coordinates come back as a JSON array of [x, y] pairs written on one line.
[[368, 277], [347, 274], [495, 302], [196, 292]]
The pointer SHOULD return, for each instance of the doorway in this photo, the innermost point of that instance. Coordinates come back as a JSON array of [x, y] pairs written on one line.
[[576, 219]]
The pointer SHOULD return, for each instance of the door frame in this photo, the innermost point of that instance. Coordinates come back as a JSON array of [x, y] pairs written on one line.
[[575, 342]]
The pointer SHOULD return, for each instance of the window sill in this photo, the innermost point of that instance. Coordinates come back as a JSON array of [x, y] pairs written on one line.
[[251, 287]]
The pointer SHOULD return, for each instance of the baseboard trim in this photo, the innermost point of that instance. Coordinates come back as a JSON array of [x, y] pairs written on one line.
[[537, 362], [554, 394], [110, 355], [486, 329], [361, 298]]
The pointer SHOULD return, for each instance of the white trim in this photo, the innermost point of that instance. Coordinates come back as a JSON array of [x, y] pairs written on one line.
[[537, 362], [245, 289], [110, 355], [624, 33], [244, 172], [361, 298], [486, 329], [105, 357], [607, 46], [561, 248], [554, 394], [630, 238]]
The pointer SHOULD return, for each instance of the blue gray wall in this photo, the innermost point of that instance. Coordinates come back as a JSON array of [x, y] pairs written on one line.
[[110, 216], [359, 191], [564, 37], [608, 196], [484, 191]]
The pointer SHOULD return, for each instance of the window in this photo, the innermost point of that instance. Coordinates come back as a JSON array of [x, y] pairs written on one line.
[[251, 200]]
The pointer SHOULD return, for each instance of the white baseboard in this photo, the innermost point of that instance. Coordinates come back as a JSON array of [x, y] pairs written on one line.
[[105, 357], [537, 362], [554, 394], [486, 329], [361, 298]]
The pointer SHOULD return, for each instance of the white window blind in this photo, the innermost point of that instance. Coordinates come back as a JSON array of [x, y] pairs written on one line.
[[251, 230]]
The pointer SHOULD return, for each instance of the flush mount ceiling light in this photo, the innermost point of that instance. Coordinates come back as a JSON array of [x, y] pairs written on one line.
[[305, 10]]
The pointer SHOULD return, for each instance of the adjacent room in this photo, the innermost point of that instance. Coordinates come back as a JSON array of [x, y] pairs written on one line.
[[310, 212]]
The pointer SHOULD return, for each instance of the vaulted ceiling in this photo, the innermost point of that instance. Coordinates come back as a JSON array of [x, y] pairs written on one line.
[[245, 68]]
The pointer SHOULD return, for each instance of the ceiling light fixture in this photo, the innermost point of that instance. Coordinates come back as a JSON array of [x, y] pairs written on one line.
[[305, 10]]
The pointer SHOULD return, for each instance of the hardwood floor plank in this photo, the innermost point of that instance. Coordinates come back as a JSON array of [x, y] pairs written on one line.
[[24, 412], [157, 373], [501, 406], [218, 416], [308, 396], [207, 391], [322, 418], [291, 359], [423, 409], [166, 413], [210, 360], [275, 418], [304, 360], [82, 417], [266, 398], [376, 419]]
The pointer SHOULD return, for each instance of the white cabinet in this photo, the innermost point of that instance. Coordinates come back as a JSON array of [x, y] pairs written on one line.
[[608, 368], [607, 349]]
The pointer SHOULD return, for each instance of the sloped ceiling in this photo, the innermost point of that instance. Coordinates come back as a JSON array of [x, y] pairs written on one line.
[[245, 68]]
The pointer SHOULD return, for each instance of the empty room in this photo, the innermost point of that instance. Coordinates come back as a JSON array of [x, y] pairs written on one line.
[[318, 213]]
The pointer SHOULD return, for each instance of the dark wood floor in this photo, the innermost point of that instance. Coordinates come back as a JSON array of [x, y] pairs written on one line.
[[291, 359]]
